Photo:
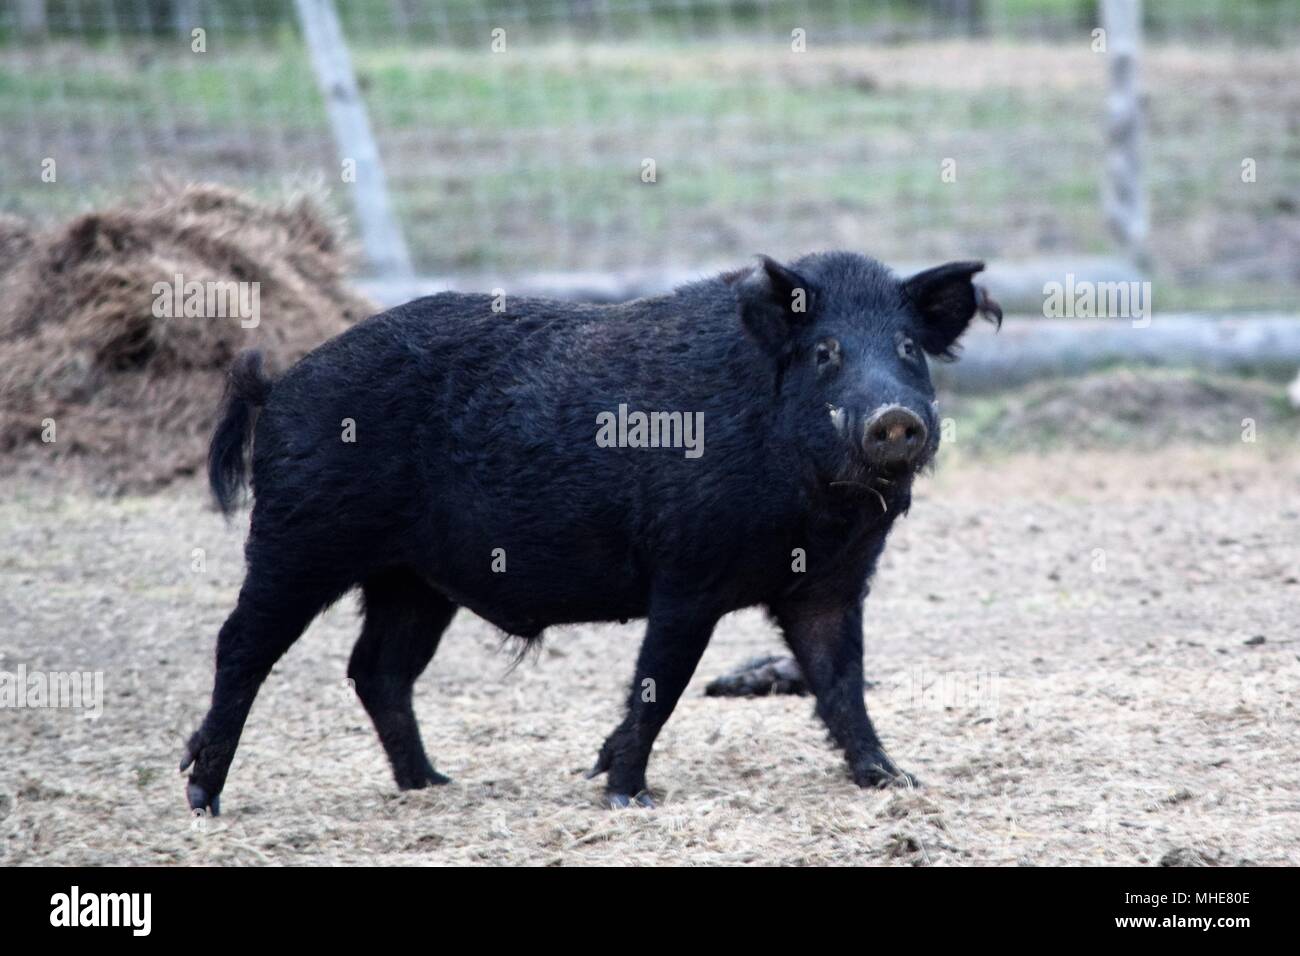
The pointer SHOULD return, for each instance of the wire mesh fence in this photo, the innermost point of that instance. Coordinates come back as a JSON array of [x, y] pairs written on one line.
[[609, 135]]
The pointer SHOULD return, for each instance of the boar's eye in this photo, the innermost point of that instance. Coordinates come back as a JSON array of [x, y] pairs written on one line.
[[906, 347], [827, 355]]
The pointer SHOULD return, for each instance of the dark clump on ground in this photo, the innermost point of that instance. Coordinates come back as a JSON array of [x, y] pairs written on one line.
[[132, 396], [760, 677]]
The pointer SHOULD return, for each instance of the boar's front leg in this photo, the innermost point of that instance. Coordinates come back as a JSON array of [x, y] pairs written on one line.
[[676, 635], [827, 642]]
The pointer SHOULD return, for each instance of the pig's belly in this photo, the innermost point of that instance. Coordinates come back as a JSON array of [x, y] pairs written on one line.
[[526, 598]]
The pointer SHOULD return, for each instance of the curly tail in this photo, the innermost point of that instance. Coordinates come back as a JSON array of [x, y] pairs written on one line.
[[247, 389]]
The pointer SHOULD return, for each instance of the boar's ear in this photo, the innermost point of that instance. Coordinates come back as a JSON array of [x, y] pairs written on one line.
[[773, 301], [946, 300]]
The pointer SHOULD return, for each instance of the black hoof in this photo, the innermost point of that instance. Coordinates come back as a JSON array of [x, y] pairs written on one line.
[[879, 772], [621, 801], [426, 777], [202, 798], [200, 802], [902, 779]]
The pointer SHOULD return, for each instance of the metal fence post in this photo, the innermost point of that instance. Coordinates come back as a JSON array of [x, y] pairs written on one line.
[[1124, 200], [381, 235], [33, 19]]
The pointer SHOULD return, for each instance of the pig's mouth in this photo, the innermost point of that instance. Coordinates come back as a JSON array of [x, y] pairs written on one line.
[[881, 492], [882, 450], [875, 486], [887, 487]]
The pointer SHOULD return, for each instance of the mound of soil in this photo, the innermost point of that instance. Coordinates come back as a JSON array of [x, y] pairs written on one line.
[[1132, 408], [127, 388]]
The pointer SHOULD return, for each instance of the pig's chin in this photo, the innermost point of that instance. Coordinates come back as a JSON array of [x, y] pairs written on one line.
[[875, 484]]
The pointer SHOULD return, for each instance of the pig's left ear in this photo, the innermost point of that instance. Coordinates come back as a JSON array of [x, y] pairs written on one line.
[[774, 300], [946, 300]]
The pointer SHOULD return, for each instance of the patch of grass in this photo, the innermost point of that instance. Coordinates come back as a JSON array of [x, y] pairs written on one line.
[[832, 147], [268, 84], [1121, 407]]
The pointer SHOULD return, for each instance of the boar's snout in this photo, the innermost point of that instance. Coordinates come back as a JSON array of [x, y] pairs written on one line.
[[894, 436]]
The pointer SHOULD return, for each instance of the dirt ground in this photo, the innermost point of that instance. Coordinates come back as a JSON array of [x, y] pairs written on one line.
[[1087, 658]]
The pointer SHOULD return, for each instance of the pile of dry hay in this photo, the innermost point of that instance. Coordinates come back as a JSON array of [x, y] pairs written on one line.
[[133, 396]]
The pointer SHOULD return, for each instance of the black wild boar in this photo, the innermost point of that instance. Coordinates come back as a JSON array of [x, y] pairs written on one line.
[[445, 454]]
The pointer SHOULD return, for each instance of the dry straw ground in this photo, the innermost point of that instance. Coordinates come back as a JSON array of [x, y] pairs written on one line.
[[1056, 712]]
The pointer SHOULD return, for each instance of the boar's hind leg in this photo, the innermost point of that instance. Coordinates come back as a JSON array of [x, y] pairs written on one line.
[[827, 642], [675, 639], [405, 619], [272, 612]]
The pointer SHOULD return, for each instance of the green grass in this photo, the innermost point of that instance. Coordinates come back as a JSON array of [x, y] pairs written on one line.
[[532, 163], [478, 99], [466, 22]]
